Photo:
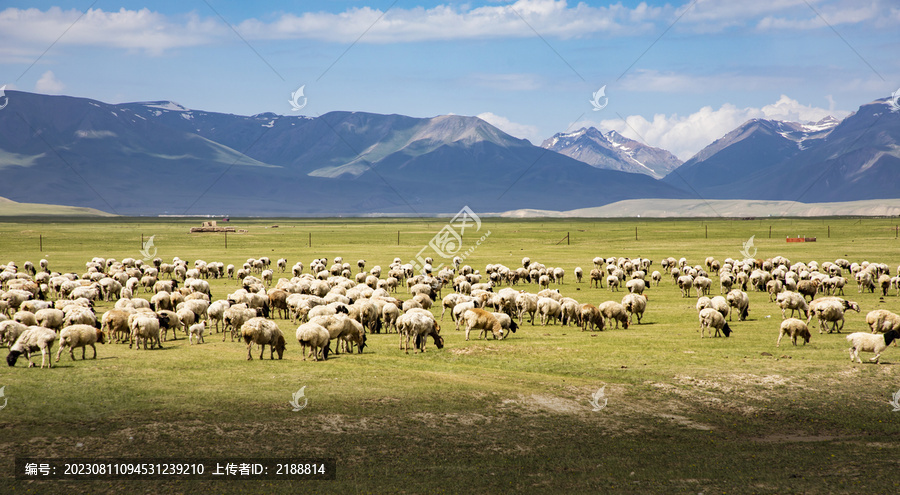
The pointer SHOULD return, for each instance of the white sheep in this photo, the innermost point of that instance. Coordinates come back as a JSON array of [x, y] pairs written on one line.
[[479, 319], [314, 336], [711, 319], [635, 304], [526, 303], [882, 320], [144, 327], [549, 309], [793, 301], [79, 336], [10, 331], [419, 324], [50, 318], [795, 328], [197, 330], [32, 339], [262, 331], [867, 342], [740, 301], [828, 311], [506, 322]]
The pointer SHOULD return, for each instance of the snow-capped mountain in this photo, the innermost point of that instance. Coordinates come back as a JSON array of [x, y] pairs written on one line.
[[613, 151], [857, 158]]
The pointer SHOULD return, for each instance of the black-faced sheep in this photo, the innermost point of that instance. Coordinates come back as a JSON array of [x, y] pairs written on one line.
[[739, 300], [32, 339], [479, 319], [867, 342], [79, 336], [314, 336], [794, 328], [710, 319]]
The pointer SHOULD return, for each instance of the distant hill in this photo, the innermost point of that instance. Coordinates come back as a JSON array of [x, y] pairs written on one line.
[[613, 151], [9, 208], [159, 157]]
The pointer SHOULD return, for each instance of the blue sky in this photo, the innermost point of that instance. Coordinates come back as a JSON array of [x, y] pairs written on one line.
[[678, 75]]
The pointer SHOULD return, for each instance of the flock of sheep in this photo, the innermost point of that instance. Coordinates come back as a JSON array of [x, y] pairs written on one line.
[[331, 304]]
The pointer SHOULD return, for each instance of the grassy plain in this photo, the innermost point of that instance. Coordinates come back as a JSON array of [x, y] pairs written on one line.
[[684, 415]]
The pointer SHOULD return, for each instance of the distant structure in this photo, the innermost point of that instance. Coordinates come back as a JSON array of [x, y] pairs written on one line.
[[211, 226]]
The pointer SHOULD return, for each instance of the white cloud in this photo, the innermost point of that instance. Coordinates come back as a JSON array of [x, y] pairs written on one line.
[[521, 131], [684, 136], [48, 84]]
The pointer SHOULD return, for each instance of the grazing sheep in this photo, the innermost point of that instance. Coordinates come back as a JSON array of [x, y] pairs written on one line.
[[635, 304], [867, 342], [264, 332], [479, 319], [656, 277], [590, 317], [579, 274], [79, 336], [32, 339], [795, 328], [10, 331], [882, 321], [215, 313], [612, 310], [389, 313], [26, 318], [197, 329], [711, 319], [526, 303], [316, 337], [342, 327], [721, 305], [549, 309], [612, 282], [506, 323], [420, 324], [740, 301]]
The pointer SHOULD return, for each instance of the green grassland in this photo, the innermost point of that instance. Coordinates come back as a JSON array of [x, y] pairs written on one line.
[[684, 415]]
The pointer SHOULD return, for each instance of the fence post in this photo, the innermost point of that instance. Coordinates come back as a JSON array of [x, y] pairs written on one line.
[[707, 231], [41, 242], [226, 239], [310, 239], [398, 237], [568, 239], [635, 232], [770, 231], [829, 231]]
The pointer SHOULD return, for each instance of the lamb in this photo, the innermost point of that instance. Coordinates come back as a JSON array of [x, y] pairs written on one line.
[[315, 337], [264, 332], [75, 336], [867, 342], [711, 319], [635, 304], [795, 328], [612, 310], [197, 329], [32, 339], [739, 300], [479, 319], [882, 320]]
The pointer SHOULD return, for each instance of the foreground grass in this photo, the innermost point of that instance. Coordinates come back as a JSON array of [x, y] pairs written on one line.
[[686, 415]]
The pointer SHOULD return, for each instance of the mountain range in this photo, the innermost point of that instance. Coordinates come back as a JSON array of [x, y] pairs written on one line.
[[613, 151], [159, 157]]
